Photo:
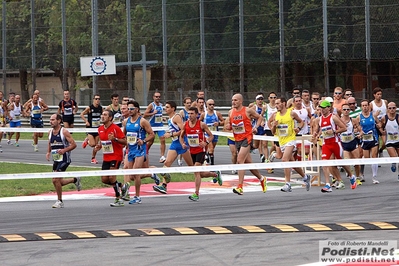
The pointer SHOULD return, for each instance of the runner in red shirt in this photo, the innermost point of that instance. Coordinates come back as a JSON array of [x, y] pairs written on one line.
[[192, 135], [112, 141]]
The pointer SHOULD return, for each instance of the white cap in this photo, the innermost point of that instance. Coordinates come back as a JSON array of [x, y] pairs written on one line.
[[329, 99]]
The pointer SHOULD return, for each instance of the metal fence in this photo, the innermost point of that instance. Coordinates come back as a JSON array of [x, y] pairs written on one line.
[[219, 46]]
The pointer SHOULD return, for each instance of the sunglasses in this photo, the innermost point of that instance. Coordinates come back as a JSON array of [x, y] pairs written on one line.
[[96, 98], [316, 99], [322, 107], [131, 108], [337, 92], [261, 99], [125, 100], [211, 104], [273, 97], [296, 93], [390, 108], [157, 96], [351, 103], [348, 94], [346, 109]]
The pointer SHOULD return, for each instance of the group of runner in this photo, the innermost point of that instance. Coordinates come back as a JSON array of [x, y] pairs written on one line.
[[342, 129]]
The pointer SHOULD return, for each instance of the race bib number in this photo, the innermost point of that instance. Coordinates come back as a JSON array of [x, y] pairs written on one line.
[[212, 127], [131, 138], [158, 119], [17, 117], [68, 111], [327, 132], [347, 137], [36, 111], [95, 122], [193, 140], [107, 147], [56, 156], [368, 137], [238, 128], [393, 136], [282, 130]]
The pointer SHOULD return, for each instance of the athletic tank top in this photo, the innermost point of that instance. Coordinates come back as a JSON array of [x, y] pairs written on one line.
[[285, 128], [368, 127], [349, 134], [382, 108], [391, 128], [36, 111], [134, 132], [327, 123], [16, 113], [241, 124], [94, 116], [58, 142], [195, 135], [156, 119]]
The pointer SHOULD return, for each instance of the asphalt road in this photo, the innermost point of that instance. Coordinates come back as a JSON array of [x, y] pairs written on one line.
[[368, 203]]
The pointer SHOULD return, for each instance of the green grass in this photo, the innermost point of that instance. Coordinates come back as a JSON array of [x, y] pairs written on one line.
[[26, 187]]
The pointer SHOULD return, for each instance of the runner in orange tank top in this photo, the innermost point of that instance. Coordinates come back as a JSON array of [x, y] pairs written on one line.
[[239, 121]]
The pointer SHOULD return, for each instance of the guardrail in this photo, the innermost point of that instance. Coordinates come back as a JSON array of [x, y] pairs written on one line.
[[79, 122]]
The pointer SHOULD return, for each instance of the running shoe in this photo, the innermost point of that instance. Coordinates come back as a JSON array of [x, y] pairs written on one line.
[[78, 184], [194, 197], [238, 190], [94, 161], [162, 159], [160, 189], [340, 185], [85, 142], [375, 181], [58, 204], [358, 182], [306, 179], [262, 158], [179, 162], [263, 184], [167, 177], [117, 203], [135, 200], [398, 177], [272, 156], [327, 188], [35, 148], [218, 178], [125, 192], [286, 188], [233, 172], [9, 142], [393, 167], [16, 144], [156, 179], [270, 170], [353, 182]]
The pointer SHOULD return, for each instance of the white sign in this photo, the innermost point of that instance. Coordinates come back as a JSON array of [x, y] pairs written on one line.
[[357, 251], [97, 65]]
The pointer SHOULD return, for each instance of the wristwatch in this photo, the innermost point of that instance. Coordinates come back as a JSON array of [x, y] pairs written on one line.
[[116, 139]]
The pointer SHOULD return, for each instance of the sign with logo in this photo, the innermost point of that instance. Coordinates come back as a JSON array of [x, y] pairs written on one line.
[[97, 65]]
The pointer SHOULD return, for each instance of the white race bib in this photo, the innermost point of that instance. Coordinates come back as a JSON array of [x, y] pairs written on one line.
[[282, 130], [107, 147], [131, 138], [56, 156], [393, 136], [95, 122], [347, 137], [158, 118], [368, 137], [68, 111], [193, 140]]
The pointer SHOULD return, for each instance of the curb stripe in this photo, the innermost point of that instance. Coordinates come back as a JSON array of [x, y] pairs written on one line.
[[207, 230]]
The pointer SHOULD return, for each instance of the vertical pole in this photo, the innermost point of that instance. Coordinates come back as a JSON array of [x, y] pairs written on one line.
[[164, 49], [282, 46], [64, 47], [325, 49], [368, 47], [129, 50], [4, 46], [33, 48], [94, 37], [241, 43], [144, 64], [202, 43]]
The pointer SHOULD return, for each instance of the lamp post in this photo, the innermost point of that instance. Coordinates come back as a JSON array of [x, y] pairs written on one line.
[[334, 56]]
